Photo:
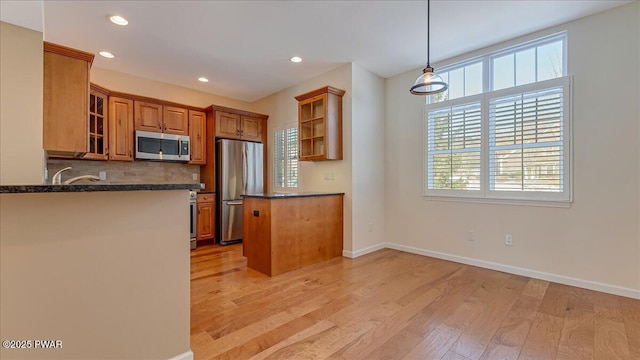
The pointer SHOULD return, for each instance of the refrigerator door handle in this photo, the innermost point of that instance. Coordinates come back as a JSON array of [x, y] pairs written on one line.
[[245, 169]]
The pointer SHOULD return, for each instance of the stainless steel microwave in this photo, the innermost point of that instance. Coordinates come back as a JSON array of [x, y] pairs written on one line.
[[161, 146]]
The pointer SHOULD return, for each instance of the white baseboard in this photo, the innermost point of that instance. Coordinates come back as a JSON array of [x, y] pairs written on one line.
[[587, 284], [370, 249], [184, 356]]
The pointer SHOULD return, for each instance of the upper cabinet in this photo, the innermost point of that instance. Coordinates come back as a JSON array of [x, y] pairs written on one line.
[[175, 120], [238, 124], [197, 136], [120, 129], [98, 124], [158, 118], [66, 100], [320, 124]]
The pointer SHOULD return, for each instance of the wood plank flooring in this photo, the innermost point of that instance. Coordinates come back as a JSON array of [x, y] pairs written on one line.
[[395, 305]]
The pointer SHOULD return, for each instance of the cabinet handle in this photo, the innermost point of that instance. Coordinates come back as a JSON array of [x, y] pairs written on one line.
[[130, 153]]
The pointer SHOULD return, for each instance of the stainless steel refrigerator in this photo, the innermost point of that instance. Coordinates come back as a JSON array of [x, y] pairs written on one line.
[[239, 169]]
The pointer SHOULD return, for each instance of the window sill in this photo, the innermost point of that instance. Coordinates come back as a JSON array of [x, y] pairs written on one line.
[[519, 202]]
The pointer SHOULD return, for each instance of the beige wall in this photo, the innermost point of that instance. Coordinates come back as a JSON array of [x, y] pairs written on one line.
[[597, 239], [282, 108], [367, 147], [21, 69], [109, 292], [117, 81]]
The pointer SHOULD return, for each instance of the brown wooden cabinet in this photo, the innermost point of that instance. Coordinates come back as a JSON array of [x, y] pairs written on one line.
[[120, 129], [98, 125], [65, 100], [251, 128], [198, 137], [175, 121], [158, 118], [148, 116], [320, 124], [206, 216], [239, 125], [224, 122]]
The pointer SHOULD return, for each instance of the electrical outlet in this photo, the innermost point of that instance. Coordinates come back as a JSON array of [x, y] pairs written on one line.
[[470, 235], [194, 176], [508, 240], [102, 175], [370, 227]]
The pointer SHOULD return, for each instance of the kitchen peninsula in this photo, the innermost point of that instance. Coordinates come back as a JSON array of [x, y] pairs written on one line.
[[104, 257], [288, 231]]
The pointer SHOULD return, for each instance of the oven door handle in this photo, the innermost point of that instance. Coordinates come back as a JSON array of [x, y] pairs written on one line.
[[233, 203]]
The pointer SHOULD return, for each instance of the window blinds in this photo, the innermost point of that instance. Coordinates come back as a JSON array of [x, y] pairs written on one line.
[[526, 142], [454, 148]]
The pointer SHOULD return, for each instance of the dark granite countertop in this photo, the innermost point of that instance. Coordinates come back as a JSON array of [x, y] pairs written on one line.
[[21, 189], [291, 195]]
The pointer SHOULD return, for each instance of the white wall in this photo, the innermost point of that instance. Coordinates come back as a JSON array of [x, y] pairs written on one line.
[[367, 148], [135, 85], [597, 239], [21, 71], [282, 108]]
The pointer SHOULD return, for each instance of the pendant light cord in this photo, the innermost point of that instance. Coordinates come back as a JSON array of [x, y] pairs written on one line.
[[428, 26]]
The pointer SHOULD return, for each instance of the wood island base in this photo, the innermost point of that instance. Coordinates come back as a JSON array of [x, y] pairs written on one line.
[[284, 232]]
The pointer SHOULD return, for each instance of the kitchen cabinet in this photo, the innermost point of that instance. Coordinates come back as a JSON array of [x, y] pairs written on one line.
[[320, 124], [175, 120], [65, 100], [98, 124], [239, 125], [158, 118], [228, 123], [198, 137], [120, 129], [284, 233], [205, 218]]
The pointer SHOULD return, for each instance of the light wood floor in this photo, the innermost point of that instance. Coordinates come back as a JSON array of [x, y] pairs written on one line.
[[395, 305]]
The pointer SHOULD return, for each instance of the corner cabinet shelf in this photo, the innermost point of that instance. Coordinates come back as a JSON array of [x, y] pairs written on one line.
[[320, 124]]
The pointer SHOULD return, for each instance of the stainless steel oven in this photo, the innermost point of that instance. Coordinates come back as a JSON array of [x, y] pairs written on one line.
[[193, 224]]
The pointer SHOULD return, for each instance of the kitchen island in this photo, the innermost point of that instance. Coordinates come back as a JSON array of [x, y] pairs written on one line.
[[288, 231], [103, 268]]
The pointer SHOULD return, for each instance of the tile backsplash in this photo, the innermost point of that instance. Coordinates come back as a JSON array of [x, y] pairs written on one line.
[[123, 172]]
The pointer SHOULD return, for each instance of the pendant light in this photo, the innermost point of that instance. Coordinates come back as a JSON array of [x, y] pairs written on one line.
[[428, 83]]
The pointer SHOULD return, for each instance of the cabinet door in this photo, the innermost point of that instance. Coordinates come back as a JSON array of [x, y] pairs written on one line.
[[120, 129], [65, 101], [197, 136], [148, 116], [205, 221], [227, 125], [175, 121], [98, 128], [251, 129]]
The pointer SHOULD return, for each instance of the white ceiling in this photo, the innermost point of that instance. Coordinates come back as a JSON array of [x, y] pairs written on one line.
[[244, 47]]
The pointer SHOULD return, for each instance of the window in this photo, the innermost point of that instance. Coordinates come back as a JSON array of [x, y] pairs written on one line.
[[510, 141], [285, 158]]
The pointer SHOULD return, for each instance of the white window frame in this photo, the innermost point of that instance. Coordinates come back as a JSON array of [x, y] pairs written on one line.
[[284, 127], [485, 195]]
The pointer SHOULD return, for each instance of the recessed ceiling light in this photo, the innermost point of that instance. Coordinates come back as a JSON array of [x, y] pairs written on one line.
[[203, 79], [107, 54], [118, 20], [296, 59]]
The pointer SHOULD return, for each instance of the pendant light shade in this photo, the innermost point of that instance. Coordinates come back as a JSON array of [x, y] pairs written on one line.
[[428, 83]]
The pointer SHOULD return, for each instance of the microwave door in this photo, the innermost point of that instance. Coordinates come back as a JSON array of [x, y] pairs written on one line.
[[148, 145]]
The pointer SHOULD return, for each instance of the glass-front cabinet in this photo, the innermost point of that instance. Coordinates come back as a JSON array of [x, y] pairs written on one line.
[[98, 141], [320, 124]]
